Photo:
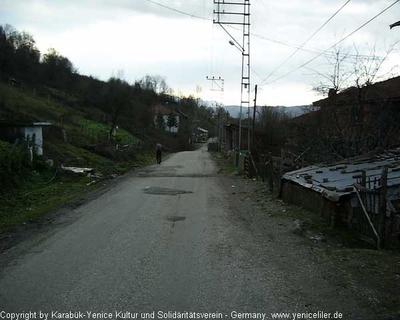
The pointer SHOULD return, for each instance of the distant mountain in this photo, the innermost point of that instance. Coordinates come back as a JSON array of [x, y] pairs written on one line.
[[293, 111]]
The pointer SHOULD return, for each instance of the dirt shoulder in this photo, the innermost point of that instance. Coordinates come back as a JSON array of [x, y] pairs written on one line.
[[321, 262]]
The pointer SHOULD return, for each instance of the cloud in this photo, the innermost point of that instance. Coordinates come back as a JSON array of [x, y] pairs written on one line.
[[140, 37]]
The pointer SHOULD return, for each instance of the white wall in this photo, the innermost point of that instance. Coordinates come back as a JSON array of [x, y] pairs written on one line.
[[37, 130]]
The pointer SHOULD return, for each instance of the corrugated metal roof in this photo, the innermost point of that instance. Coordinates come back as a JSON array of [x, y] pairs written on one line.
[[41, 124], [24, 124], [202, 130], [335, 180]]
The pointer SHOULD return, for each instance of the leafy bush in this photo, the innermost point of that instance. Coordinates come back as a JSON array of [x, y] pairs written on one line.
[[11, 160]]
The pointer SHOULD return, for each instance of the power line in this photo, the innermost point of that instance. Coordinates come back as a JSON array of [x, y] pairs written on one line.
[[346, 37], [313, 51], [178, 11], [297, 50]]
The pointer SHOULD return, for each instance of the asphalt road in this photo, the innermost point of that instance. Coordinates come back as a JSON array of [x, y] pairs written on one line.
[[163, 240]]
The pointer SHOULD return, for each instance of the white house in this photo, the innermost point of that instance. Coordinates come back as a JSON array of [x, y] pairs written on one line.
[[35, 131], [165, 112], [27, 132]]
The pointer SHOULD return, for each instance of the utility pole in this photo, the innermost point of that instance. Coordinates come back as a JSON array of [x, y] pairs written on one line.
[[226, 13], [396, 24], [254, 116], [217, 84]]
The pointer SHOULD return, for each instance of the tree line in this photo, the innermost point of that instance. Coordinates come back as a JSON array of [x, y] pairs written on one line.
[[128, 104]]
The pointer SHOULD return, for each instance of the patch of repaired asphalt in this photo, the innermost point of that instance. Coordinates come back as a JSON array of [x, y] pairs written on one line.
[[176, 218], [173, 175], [164, 191]]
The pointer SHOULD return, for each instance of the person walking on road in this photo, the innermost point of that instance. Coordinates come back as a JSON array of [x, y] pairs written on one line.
[[158, 152]]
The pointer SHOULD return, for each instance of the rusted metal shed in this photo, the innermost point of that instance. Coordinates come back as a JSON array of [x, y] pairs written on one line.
[[331, 190]]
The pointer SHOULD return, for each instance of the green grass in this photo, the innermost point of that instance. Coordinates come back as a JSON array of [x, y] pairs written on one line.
[[122, 136], [5, 149], [37, 196], [146, 158], [225, 164], [35, 193], [29, 194], [25, 194], [25, 103]]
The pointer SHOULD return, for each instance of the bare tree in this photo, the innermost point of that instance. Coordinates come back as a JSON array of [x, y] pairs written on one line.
[[156, 83], [271, 123], [339, 76], [118, 98], [353, 119]]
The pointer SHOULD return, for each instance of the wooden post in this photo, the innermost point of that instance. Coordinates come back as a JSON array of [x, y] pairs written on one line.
[[271, 174], [254, 116], [364, 179], [378, 238], [382, 209], [64, 135], [281, 164]]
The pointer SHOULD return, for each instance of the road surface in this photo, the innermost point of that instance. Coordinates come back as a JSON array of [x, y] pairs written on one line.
[[167, 239]]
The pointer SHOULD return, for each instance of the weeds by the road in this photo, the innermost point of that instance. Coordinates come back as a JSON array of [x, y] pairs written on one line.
[[224, 163], [36, 197]]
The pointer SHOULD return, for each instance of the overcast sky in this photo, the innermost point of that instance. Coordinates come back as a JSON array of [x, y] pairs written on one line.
[[101, 37]]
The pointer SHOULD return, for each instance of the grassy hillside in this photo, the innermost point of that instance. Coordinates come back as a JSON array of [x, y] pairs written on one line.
[[27, 190]]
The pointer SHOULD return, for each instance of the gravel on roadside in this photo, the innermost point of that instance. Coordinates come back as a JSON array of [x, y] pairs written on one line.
[[360, 282]]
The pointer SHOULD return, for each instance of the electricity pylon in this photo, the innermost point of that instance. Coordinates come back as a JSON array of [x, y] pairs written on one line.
[[217, 84], [227, 13]]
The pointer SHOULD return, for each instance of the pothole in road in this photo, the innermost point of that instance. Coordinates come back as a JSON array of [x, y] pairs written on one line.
[[164, 191], [175, 218]]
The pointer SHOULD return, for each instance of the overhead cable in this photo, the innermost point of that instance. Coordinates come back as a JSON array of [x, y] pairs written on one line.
[[297, 50], [179, 11], [313, 51], [346, 37]]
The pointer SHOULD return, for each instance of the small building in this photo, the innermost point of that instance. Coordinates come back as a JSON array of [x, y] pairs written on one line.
[[332, 190], [32, 132], [201, 135], [351, 122], [232, 135], [167, 112]]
